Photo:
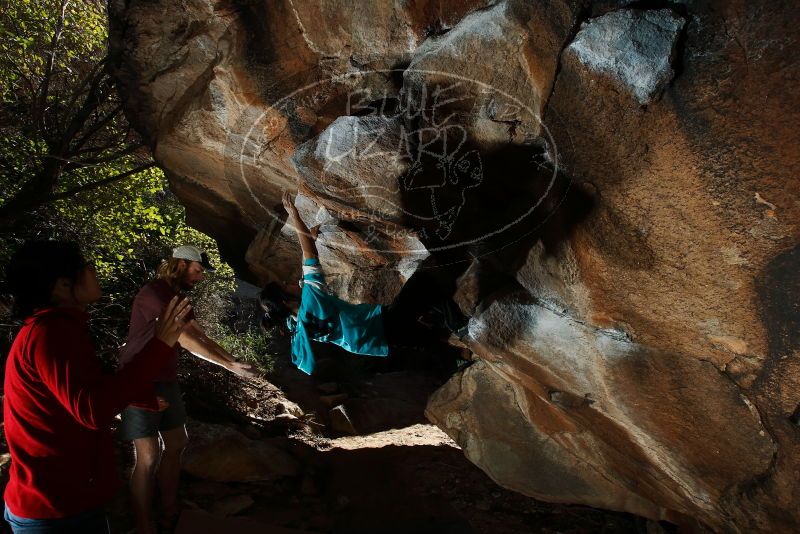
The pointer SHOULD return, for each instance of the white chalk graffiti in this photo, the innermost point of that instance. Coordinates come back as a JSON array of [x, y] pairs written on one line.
[[427, 150]]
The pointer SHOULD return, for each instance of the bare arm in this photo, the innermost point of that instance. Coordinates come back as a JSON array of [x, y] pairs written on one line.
[[303, 233], [195, 340], [67, 365]]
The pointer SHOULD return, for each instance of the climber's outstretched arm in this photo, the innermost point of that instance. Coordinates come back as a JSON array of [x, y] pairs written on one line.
[[305, 236]]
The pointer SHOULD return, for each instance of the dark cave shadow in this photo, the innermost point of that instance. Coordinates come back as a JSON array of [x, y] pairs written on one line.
[[425, 488], [513, 179]]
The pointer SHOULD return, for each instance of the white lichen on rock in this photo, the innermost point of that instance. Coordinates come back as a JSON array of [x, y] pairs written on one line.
[[634, 47]]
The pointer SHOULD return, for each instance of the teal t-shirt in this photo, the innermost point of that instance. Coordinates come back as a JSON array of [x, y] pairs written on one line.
[[322, 316]]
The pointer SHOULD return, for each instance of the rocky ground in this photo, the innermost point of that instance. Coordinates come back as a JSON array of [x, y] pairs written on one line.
[[410, 480], [313, 475], [262, 462]]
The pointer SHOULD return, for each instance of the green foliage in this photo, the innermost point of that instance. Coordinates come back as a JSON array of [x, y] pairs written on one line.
[[127, 229], [61, 126], [247, 343], [61, 134], [127, 222], [26, 36], [27, 28]]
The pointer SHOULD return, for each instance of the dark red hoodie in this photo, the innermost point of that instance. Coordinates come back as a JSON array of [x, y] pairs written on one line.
[[58, 409]]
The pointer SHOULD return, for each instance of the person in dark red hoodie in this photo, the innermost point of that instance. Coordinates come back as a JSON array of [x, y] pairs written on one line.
[[58, 405]]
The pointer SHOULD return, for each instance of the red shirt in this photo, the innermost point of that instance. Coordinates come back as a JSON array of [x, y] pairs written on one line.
[[58, 410], [147, 306]]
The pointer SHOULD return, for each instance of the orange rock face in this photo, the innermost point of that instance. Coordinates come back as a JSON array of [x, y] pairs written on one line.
[[617, 188]]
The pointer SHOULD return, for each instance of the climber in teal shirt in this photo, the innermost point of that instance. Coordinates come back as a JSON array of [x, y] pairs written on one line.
[[318, 314]]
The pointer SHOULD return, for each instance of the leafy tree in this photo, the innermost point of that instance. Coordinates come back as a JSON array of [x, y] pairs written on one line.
[[72, 168], [62, 130]]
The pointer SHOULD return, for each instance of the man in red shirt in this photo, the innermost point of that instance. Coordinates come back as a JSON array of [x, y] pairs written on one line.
[[58, 405], [181, 272]]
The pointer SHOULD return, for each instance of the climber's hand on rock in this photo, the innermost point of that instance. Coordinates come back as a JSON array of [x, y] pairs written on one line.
[[288, 204]]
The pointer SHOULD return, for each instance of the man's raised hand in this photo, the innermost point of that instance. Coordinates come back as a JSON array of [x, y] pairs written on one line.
[[172, 320], [244, 369]]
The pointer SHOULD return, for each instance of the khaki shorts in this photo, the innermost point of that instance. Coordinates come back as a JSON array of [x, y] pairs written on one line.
[[140, 423]]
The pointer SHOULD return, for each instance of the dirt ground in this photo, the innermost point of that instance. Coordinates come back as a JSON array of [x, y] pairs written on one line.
[[407, 479]]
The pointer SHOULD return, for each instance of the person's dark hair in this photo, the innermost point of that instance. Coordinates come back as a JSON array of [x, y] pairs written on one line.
[[34, 270], [273, 301]]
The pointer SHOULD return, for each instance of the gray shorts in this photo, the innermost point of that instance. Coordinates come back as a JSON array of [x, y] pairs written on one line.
[[140, 423]]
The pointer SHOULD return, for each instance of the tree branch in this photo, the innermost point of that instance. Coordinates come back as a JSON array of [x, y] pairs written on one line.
[[44, 88], [130, 149], [97, 126], [99, 183], [24, 77], [93, 77]]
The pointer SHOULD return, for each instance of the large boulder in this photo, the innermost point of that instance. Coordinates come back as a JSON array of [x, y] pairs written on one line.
[[610, 423], [618, 184], [448, 79], [225, 92], [353, 173]]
